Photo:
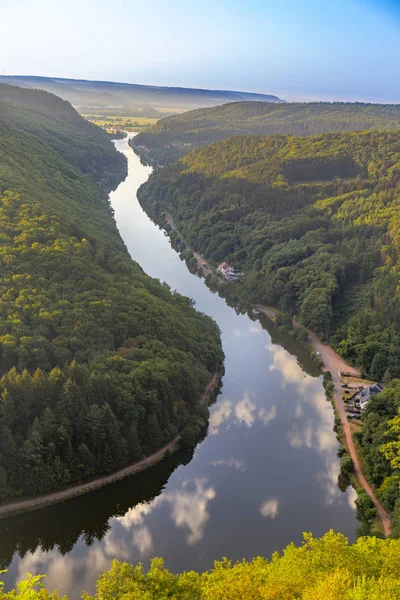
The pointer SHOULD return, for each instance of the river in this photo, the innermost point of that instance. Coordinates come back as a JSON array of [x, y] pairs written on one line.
[[266, 471]]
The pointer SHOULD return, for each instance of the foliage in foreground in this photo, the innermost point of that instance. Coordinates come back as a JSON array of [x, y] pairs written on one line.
[[327, 568]]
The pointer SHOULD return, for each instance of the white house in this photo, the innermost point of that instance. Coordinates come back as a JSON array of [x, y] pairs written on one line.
[[363, 397], [226, 271]]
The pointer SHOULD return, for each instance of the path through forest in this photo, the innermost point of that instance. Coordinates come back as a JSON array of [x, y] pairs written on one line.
[[32, 504], [337, 365]]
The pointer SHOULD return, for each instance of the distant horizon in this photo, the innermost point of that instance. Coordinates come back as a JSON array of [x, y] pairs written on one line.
[[309, 51], [288, 97]]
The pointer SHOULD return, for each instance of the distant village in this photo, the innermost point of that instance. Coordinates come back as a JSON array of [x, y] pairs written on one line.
[[116, 133], [112, 130]]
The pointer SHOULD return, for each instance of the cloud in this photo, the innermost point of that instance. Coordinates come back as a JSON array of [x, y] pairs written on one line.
[[290, 370], [143, 541], [245, 410], [300, 437], [136, 515], [64, 572], [329, 479], [116, 546], [222, 413], [189, 508], [352, 497], [270, 508], [231, 463], [267, 415], [316, 433]]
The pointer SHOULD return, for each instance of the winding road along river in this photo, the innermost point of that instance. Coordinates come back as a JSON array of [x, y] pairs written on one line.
[[266, 472]]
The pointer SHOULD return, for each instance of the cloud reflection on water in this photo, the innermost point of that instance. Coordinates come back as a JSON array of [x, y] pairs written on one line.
[[143, 541], [231, 463], [270, 508], [188, 504], [255, 328], [220, 415], [307, 432], [189, 510], [245, 411]]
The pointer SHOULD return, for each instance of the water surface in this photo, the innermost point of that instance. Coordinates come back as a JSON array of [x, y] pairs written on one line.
[[266, 471]]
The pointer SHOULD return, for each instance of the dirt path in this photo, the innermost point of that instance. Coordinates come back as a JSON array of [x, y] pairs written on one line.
[[77, 490], [333, 362], [271, 314], [337, 365], [202, 263]]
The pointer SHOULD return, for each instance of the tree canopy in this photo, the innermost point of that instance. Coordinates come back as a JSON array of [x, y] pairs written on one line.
[[57, 124], [175, 136], [379, 441], [99, 363], [313, 223], [328, 567]]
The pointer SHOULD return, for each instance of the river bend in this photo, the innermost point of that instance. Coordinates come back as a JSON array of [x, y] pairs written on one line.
[[266, 471]]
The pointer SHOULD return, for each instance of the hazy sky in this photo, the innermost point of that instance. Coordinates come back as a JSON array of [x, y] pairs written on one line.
[[299, 49]]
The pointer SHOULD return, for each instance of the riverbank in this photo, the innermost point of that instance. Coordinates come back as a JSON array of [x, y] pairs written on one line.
[[333, 363], [336, 365], [32, 504], [202, 264], [258, 467]]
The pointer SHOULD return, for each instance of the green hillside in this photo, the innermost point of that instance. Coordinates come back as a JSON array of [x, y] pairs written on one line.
[[313, 223], [326, 568], [175, 136], [57, 124], [99, 364]]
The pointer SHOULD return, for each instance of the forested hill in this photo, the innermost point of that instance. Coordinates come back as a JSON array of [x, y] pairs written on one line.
[[312, 221], [56, 123], [92, 95], [175, 136], [99, 364], [50, 106]]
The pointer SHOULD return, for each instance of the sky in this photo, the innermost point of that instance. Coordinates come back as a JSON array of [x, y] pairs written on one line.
[[296, 49]]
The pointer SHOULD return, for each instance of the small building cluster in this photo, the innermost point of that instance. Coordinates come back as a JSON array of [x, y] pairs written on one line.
[[113, 130], [359, 401], [228, 272]]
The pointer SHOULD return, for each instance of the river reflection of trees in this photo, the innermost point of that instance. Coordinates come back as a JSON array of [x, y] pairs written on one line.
[[61, 525]]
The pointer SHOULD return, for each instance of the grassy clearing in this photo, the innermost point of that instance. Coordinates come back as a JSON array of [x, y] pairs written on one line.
[[128, 123], [377, 526], [355, 426], [170, 110], [356, 382]]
